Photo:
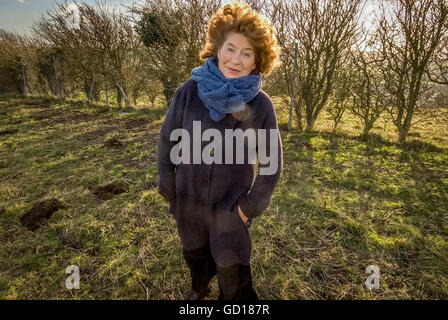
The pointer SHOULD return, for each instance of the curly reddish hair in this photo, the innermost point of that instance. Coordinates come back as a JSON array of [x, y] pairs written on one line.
[[240, 18]]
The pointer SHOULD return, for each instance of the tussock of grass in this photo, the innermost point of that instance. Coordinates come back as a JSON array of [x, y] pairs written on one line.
[[344, 202]]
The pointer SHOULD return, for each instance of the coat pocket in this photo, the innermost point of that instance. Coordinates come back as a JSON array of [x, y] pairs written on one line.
[[248, 223]]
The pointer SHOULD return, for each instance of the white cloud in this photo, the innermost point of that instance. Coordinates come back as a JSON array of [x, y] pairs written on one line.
[[72, 9], [120, 6]]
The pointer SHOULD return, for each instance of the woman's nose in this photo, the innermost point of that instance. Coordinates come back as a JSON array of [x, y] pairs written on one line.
[[235, 59]]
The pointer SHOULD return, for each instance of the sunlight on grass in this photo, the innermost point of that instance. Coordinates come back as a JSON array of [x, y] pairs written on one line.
[[341, 204]]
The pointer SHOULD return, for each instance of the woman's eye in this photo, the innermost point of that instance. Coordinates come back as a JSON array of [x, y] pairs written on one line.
[[231, 50]]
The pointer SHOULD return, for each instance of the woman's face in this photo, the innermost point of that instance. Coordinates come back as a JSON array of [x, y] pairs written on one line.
[[236, 58]]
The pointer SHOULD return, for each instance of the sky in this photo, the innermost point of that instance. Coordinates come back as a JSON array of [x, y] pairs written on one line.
[[18, 15]]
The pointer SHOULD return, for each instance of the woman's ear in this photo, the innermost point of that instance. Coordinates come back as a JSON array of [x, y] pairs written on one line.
[[255, 69], [255, 66]]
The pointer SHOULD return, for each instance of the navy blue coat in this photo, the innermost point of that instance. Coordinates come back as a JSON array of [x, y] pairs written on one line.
[[203, 198]]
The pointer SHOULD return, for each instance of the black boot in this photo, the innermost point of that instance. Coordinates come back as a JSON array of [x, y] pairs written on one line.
[[197, 296], [202, 270], [235, 283]]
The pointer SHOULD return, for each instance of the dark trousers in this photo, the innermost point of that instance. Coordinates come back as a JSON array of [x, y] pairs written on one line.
[[235, 282]]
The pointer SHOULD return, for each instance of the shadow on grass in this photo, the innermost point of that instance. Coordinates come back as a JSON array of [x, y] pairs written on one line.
[[387, 209], [413, 182]]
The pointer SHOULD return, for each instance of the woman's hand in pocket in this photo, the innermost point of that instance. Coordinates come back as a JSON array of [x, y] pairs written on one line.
[[242, 216]]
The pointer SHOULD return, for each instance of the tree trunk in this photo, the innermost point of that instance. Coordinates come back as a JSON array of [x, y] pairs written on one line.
[[25, 85], [123, 94], [310, 120], [91, 89], [107, 96], [56, 77], [337, 119], [119, 97], [298, 111], [402, 134], [335, 124], [169, 89], [367, 127]]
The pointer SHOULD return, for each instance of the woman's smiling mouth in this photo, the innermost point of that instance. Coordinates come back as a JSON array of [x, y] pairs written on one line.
[[233, 70]]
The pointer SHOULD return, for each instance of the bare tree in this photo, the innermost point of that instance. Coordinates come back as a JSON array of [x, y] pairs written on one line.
[[114, 42], [438, 71], [324, 31], [60, 29], [280, 80], [369, 98], [99, 45], [408, 36], [15, 59], [173, 33], [339, 100]]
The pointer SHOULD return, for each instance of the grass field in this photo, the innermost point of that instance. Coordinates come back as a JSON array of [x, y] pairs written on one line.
[[342, 204]]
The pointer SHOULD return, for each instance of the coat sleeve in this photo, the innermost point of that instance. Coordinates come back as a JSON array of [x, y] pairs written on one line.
[[166, 169], [257, 199]]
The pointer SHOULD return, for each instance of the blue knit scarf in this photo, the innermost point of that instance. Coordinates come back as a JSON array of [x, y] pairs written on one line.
[[222, 95]]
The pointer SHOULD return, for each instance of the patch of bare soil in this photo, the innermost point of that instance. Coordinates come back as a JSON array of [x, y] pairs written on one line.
[[136, 123], [40, 213], [113, 142], [52, 116], [109, 190], [8, 131]]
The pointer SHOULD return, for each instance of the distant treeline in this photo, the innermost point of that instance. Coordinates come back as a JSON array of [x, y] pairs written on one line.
[[398, 65]]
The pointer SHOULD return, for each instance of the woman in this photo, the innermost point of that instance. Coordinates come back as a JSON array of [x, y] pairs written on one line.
[[212, 195]]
